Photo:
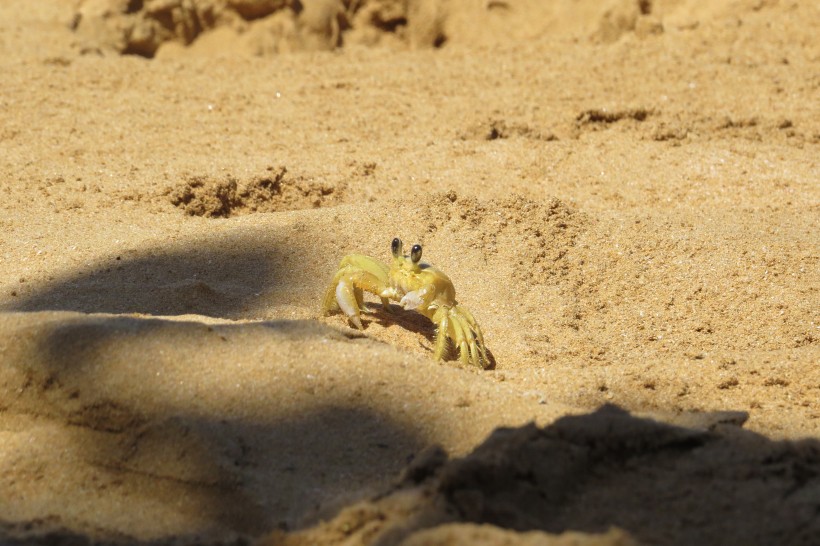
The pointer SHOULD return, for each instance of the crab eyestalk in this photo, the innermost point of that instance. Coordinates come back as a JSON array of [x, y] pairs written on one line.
[[396, 247], [415, 253]]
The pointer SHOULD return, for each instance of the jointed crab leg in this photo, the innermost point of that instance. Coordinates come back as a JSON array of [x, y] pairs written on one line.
[[476, 331], [457, 324], [467, 337], [460, 341], [442, 319]]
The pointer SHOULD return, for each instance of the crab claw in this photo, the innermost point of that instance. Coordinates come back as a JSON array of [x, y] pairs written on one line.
[[357, 274], [411, 300], [346, 298]]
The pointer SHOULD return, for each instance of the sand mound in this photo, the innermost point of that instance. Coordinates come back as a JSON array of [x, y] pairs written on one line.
[[265, 27], [201, 196], [259, 27], [590, 473], [210, 451]]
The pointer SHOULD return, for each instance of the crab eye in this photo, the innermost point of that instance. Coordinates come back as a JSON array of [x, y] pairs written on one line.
[[395, 247], [415, 253]]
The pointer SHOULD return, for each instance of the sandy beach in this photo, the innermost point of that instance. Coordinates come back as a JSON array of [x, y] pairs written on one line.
[[625, 195]]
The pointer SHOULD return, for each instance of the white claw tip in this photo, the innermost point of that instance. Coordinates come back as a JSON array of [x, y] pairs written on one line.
[[345, 299], [411, 300]]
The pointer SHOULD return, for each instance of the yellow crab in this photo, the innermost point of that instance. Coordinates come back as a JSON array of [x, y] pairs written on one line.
[[415, 285]]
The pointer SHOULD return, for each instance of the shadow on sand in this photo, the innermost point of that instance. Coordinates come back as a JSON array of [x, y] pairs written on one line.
[[244, 471], [244, 466], [150, 432], [662, 484], [223, 275]]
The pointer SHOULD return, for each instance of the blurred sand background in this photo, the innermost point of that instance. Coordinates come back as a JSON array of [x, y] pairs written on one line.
[[625, 193]]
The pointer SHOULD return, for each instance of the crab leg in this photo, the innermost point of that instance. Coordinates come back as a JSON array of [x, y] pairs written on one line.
[[468, 338], [460, 341], [478, 339], [442, 333]]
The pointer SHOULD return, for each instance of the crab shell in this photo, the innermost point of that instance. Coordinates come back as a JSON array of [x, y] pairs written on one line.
[[416, 286]]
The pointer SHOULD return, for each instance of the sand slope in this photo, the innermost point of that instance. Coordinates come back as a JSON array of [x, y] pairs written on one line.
[[625, 195]]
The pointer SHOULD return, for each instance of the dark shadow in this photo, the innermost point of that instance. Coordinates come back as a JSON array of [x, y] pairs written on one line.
[[395, 315], [241, 466], [663, 484], [220, 276]]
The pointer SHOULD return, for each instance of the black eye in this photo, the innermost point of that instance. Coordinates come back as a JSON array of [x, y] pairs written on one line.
[[415, 254], [395, 247]]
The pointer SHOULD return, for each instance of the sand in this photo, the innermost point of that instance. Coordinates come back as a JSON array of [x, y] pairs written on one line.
[[625, 194]]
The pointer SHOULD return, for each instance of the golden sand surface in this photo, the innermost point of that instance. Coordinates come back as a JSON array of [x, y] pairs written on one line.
[[626, 195]]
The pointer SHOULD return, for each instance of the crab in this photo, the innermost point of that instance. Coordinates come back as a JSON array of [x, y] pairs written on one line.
[[416, 286]]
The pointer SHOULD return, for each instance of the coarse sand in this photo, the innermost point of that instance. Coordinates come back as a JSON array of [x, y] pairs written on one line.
[[626, 195]]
